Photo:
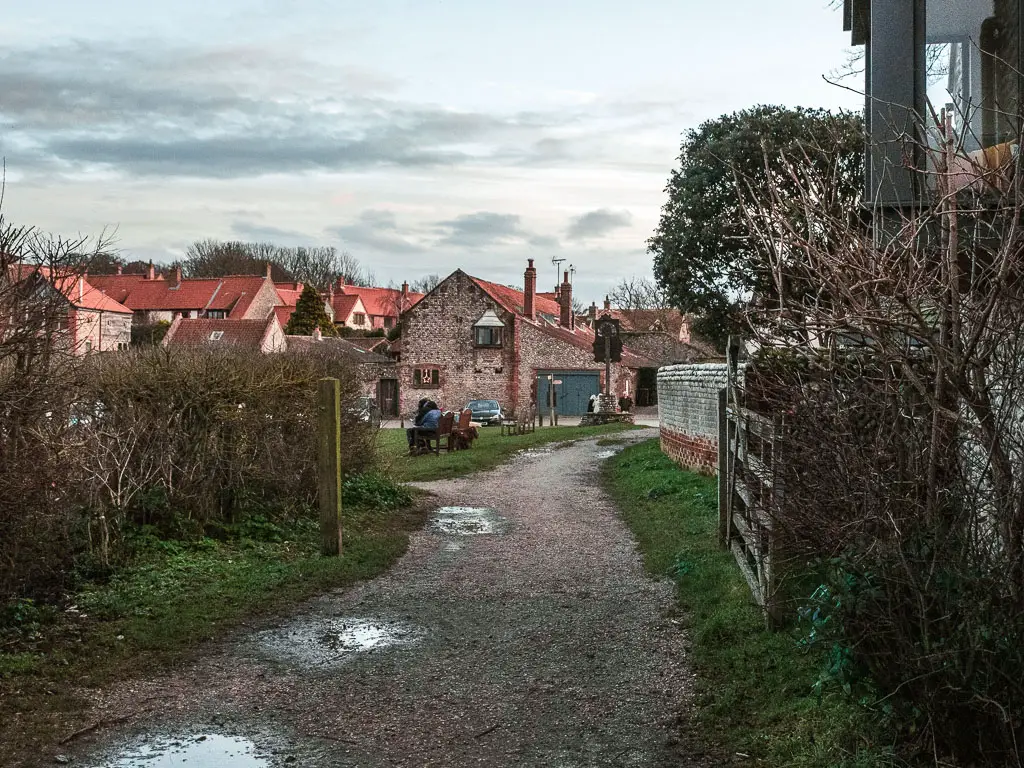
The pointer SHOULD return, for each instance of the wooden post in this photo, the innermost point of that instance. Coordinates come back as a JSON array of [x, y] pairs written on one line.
[[723, 468], [329, 464]]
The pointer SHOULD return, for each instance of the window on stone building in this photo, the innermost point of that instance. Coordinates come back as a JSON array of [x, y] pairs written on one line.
[[426, 377], [487, 331], [389, 322], [487, 337]]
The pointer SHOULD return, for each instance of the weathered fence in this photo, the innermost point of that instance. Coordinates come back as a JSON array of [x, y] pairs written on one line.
[[749, 488]]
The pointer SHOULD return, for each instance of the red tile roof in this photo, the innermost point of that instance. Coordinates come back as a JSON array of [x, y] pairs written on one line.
[[78, 290], [343, 305], [117, 287], [284, 314], [233, 293], [247, 334], [583, 338], [512, 299], [382, 302]]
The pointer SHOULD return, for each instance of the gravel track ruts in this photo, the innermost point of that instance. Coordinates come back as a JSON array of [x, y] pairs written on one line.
[[544, 645]]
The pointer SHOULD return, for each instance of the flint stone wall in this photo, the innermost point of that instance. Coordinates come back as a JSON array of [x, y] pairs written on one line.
[[688, 413]]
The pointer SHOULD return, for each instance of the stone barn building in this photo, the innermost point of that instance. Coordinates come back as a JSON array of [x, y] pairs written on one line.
[[473, 339]]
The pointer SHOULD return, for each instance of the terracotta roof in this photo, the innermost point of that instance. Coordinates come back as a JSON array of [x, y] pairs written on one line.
[[343, 305], [383, 302], [583, 338], [247, 334], [288, 295], [333, 345], [78, 290], [118, 287], [512, 299], [284, 314], [233, 293]]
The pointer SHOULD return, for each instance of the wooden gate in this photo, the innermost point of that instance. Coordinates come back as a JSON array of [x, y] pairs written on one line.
[[749, 489]]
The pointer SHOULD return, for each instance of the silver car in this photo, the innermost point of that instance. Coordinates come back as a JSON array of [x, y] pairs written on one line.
[[487, 412]]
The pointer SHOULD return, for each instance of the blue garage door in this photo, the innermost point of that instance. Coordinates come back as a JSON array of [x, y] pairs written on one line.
[[572, 395]]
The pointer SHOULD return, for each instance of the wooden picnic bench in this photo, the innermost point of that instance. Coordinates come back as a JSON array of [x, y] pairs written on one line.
[[434, 437], [526, 422]]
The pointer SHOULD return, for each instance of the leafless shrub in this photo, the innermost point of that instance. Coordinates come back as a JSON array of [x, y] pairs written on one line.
[[895, 353]]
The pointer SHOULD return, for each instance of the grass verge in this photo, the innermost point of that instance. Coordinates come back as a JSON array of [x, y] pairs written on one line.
[[154, 611], [488, 451], [754, 687]]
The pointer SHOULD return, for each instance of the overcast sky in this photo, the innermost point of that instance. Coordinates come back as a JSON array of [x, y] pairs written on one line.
[[419, 135]]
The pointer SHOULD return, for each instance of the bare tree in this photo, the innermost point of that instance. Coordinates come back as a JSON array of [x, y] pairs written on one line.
[[425, 284], [638, 293], [895, 356]]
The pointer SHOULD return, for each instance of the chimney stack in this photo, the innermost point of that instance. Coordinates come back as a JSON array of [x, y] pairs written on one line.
[[592, 313], [177, 275], [268, 270], [120, 269], [317, 336], [530, 290], [566, 319], [405, 288], [339, 284], [151, 272], [607, 304]]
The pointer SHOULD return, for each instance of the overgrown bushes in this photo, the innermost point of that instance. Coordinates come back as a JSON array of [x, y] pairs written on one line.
[[895, 354], [181, 441]]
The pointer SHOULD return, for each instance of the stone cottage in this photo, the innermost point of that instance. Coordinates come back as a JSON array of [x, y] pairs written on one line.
[[473, 339]]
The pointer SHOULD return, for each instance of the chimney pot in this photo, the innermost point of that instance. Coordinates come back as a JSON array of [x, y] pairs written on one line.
[[566, 318], [120, 269], [530, 291]]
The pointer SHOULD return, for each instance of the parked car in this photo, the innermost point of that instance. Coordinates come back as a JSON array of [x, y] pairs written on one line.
[[366, 410], [487, 412]]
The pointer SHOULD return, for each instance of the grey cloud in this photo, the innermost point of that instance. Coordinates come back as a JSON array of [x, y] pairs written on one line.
[[219, 113], [596, 224], [240, 111], [377, 230], [483, 228], [247, 230], [486, 228]]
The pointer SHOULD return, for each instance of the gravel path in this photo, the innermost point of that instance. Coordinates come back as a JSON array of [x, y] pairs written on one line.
[[527, 635]]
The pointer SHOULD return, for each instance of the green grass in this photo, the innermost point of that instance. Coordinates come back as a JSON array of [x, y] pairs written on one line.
[[754, 686], [489, 450], [154, 611]]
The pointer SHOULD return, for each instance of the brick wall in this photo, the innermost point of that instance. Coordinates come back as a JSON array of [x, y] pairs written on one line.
[[438, 333], [539, 351], [688, 412]]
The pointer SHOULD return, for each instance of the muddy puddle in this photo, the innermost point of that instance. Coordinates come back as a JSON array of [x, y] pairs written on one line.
[[467, 521], [209, 750], [532, 453], [607, 454], [326, 641]]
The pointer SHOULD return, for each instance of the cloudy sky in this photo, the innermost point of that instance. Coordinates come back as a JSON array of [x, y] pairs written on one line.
[[419, 135]]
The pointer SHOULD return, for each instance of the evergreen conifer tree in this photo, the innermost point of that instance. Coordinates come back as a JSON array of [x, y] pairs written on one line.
[[309, 313]]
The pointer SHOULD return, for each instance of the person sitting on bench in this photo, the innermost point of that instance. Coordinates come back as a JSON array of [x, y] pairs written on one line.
[[429, 423], [421, 411]]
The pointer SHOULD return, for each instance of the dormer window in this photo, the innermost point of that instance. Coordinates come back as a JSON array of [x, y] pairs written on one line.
[[488, 330], [216, 335]]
